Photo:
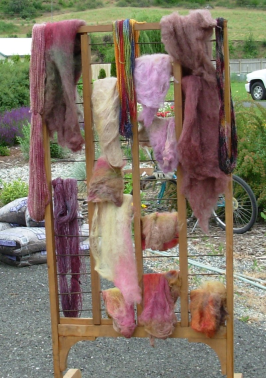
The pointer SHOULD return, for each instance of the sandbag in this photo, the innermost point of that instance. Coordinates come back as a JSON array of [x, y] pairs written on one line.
[[30, 222], [22, 241], [25, 260], [14, 212], [5, 226]]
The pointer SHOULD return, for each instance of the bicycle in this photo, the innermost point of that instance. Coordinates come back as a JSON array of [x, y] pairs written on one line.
[[159, 194]]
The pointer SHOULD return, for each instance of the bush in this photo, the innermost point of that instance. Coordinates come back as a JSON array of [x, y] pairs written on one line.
[[56, 151], [102, 74], [14, 84], [4, 151], [13, 190], [11, 125], [251, 162]]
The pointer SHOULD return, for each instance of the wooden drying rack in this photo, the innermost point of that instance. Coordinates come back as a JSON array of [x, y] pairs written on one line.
[[68, 331]]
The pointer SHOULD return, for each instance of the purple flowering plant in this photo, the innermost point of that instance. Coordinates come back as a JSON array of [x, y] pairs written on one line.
[[11, 125]]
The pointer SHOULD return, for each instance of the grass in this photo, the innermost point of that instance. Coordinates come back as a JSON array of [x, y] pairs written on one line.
[[240, 20]]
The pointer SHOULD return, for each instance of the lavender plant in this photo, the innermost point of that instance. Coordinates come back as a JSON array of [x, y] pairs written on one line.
[[11, 125]]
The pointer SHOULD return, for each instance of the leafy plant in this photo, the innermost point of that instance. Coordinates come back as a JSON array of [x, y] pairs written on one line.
[[4, 151], [102, 74], [11, 125], [13, 190]]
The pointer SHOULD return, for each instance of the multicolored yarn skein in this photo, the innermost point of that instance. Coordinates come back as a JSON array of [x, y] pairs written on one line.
[[126, 50]]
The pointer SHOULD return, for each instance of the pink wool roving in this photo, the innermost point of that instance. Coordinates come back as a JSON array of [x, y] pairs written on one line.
[[158, 316], [123, 315], [162, 137], [203, 180], [106, 183], [106, 107], [187, 40], [112, 247], [63, 69], [159, 231], [152, 75]]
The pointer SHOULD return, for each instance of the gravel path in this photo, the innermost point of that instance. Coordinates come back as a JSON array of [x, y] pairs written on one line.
[[26, 348]]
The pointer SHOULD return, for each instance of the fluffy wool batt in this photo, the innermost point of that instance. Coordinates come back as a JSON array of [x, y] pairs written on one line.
[[187, 40], [197, 148], [63, 69], [152, 75], [162, 138], [106, 107], [106, 183], [208, 307], [112, 247], [158, 316], [123, 315], [159, 231]]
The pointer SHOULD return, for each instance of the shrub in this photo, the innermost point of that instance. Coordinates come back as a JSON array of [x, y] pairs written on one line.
[[251, 162], [56, 151], [102, 74], [4, 151], [13, 190], [11, 125], [250, 47]]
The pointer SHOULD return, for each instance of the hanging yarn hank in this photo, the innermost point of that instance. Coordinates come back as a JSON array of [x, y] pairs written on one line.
[[227, 154], [67, 245], [126, 50]]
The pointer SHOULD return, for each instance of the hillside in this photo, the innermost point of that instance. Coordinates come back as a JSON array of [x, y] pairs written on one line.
[[246, 27]]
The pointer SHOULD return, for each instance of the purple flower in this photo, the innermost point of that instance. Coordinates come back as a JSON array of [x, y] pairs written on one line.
[[11, 125]]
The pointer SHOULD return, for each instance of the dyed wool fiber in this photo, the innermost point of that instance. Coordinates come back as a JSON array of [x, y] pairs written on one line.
[[152, 75], [63, 70], [187, 40], [159, 231], [67, 245], [203, 180], [158, 316], [162, 137], [105, 107], [123, 314], [112, 247], [106, 183], [208, 307], [39, 195]]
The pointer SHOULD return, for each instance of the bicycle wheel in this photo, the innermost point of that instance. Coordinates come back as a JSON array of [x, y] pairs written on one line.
[[158, 193], [245, 209]]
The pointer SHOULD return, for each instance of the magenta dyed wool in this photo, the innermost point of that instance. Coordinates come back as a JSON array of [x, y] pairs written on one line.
[[158, 316], [203, 180], [123, 315], [162, 137], [54, 71], [187, 40], [67, 245], [152, 80]]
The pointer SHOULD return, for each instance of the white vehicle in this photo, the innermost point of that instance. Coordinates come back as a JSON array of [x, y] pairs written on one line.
[[256, 84]]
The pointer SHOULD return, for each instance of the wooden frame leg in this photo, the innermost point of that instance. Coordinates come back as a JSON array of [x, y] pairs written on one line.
[[73, 373]]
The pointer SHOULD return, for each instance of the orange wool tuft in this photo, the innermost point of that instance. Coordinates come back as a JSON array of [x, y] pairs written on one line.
[[208, 307]]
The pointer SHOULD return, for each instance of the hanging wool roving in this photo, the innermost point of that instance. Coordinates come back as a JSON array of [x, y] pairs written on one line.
[[105, 108], [208, 307], [55, 68], [106, 183], [158, 316], [162, 137], [159, 231], [123, 314], [152, 75], [112, 247], [126, 50]]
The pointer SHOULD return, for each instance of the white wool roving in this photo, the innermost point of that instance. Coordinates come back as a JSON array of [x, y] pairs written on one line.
[[105, 108], [112, 247]]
